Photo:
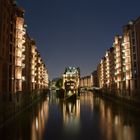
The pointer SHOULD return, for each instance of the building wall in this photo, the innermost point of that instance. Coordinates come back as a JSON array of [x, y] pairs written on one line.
[[71, 74], [19, 50], [103, 73], [7, 37], [119, 69], [135, 55], [27, 65], [127, 60], [39, 72], [110, 70], [86, 81], [94, 79], [21, 66], [99, 74]]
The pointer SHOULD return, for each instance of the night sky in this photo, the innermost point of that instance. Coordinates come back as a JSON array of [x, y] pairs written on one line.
[[76, 32]]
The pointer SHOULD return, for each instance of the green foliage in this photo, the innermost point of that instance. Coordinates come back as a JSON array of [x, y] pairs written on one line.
[[59, 83]]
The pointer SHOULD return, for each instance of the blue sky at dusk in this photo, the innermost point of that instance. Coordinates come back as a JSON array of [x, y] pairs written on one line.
[[76, 32]]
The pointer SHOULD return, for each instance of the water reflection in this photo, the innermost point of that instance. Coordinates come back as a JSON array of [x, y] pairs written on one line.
[[115, 122], [39, 122], [30, 125], [71, 116], [87, 118]]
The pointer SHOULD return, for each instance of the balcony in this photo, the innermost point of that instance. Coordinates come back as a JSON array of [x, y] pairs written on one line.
[[23, 65], [24, 31], [18, 53], [18, 62], [23, 48], [23, 39], [23, 57], [18, 75], [23, 78], [32, 73]]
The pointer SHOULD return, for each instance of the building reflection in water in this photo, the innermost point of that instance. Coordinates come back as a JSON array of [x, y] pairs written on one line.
[[39, 121], [71, 116], [89, 117], [114, 121], [87, 100]]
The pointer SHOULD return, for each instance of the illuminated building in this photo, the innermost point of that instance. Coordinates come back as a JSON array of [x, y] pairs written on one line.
[[7, 43], [99, 75], [71, 73], [21, 66], [27, 65], [71, 81], [131, 44], [41, 75], [39, 72], [89, 81], [126, 52], [33, 64], [19, 49], [86, 81], [45, 77], [110, 83], [126, 61], [121, 72], [94, 79], [103, 73], [118, 63]]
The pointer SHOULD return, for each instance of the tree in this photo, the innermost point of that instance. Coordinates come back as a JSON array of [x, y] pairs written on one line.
[[59, 83]]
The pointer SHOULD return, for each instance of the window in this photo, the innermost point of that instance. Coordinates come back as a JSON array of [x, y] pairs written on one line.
[[133, 41], [10, 58], [10, 47], [135, 64], [133, 34], [134, 49], [134, 56], [135, 83]]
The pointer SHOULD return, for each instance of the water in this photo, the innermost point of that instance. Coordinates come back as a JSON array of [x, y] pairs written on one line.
[[88, 118]]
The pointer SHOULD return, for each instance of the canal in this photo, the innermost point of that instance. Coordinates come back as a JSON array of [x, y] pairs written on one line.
[[88, 118]]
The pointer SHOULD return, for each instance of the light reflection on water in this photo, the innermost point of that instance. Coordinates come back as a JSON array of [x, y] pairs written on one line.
[[88, 118], [71, 117], [39, 121]]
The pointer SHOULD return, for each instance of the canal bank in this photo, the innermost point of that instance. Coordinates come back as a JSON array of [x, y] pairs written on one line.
[[132, 103], [13, 105]]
